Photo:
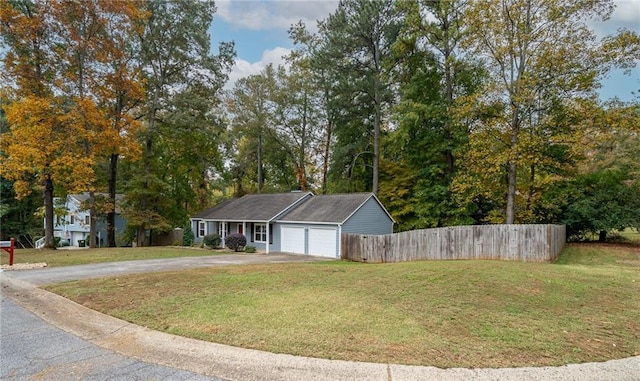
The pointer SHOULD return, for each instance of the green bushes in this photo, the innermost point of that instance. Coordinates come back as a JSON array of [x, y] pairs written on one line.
[[212, 240], [236, 241], [188, 237]]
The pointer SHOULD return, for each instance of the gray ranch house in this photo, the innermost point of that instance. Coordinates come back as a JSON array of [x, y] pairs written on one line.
[[296, 222]]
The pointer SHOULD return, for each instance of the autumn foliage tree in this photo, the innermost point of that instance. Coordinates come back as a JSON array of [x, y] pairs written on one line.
[[68, 111], [34, 148], [541, 56]]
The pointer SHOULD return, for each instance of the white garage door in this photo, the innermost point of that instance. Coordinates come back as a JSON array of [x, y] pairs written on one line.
[[323, 242], [292, 239]]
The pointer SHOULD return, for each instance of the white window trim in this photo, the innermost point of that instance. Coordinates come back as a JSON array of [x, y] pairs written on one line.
[[257, 236], [202, 229]]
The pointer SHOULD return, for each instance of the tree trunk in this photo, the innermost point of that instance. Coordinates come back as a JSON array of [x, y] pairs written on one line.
[[111, 214], [325, 159], [92, 220], [602, 237], [140, 237], [511, 193], [512, 168], [376, 122], [260, 162], [49, 241], [329, 131]]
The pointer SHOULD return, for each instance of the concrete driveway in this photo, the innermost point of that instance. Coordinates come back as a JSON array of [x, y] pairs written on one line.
[[60, 339]]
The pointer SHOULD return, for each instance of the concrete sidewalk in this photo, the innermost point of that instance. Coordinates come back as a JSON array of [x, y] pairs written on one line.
[[231, 363]]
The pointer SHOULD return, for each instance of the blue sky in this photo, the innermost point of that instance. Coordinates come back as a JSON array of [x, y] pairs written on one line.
[[259, 30]]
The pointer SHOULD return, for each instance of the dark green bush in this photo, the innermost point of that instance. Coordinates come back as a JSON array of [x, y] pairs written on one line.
[[236, 241], [188, 236], [212, 240], [250, 249]]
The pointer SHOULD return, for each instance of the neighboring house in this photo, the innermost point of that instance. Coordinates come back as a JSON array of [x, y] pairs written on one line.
[[296, 222], [73, 227]]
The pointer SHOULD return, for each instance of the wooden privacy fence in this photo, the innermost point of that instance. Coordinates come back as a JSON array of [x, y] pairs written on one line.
[[528, 243]]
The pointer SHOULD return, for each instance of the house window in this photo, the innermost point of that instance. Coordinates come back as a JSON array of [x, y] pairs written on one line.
[[222, 229], [260, 233], [87, 220], [201, 227], [72, 220]]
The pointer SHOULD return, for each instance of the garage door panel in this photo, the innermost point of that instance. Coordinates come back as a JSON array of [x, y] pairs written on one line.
[[323, 242], [292, 239]]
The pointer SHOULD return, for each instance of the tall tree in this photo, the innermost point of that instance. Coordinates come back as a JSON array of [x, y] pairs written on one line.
[[81, 39], [175, 57], [33, 148], [122, 93], [321, 75], [298, 104], [82, 47], [433, 73], [539, 55], [357, 40], [253, 127]]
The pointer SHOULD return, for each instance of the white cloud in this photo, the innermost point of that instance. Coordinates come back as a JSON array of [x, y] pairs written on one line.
[[242, 68], [274, 14], [627, 12], [626, 15]]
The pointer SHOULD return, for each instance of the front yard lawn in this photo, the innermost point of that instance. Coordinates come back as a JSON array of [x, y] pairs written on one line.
[[440, 313]]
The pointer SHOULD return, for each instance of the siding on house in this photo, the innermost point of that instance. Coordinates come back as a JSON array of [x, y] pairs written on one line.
[[72, 233], [369, 219]]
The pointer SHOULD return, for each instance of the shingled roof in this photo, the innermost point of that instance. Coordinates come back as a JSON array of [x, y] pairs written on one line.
[[333, 208], [253, 207]]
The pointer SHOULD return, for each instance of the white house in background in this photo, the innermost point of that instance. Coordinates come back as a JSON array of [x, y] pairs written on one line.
[[296, 222], [73, 226]]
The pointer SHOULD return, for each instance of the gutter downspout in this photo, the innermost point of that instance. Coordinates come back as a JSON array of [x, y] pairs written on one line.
[[339, 241]]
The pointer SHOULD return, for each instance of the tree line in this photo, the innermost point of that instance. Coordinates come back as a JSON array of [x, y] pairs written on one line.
[[452, 112]]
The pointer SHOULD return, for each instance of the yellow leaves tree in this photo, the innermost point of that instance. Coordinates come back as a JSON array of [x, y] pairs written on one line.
[[98, 69], [541, 57], [43, 147], [71, 80]]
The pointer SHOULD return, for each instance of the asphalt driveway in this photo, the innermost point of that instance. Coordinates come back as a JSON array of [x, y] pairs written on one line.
[[44, 336]]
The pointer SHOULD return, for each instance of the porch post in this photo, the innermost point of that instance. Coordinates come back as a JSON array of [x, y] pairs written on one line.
[[223, 233], [267, 243]]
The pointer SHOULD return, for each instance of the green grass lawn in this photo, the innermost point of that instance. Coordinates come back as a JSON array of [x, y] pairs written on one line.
[[85, 256], [441, 313]]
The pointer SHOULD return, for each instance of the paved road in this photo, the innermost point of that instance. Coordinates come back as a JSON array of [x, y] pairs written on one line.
[[59, 339], [31, 349]]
